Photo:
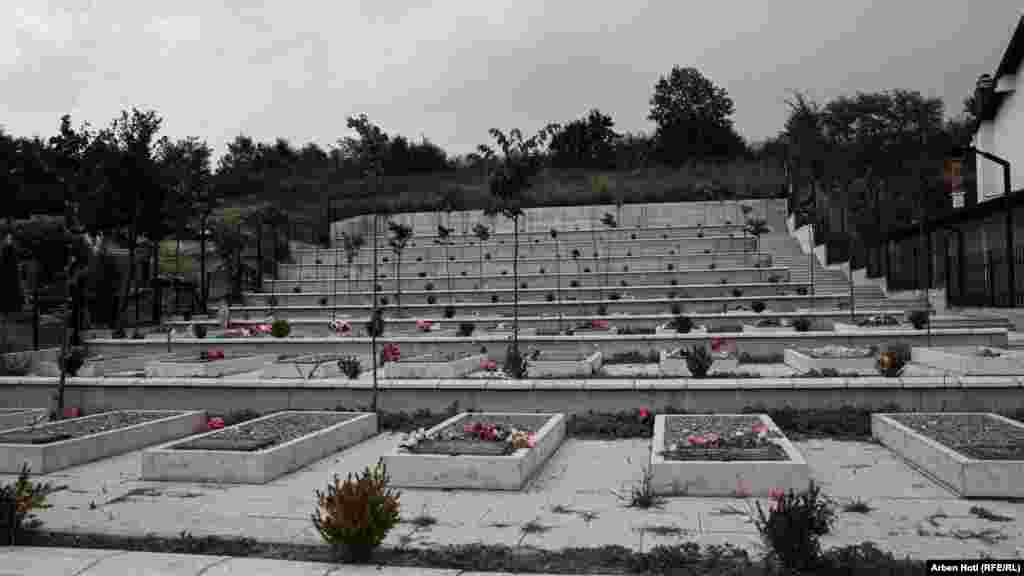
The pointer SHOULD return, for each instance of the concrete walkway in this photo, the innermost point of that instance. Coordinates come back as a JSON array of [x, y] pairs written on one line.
[[572, 502], [29, 561]]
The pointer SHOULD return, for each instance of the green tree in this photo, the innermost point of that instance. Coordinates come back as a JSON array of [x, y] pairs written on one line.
[[400, 235], [510, 178], [11, 297], [588, 142], [483, 234], [693, 118]]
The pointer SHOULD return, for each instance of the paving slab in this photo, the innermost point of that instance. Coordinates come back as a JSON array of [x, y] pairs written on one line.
[[579, 498], [22, 560]]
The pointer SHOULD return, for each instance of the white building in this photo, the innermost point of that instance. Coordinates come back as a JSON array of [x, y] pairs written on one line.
[[1001, 121]]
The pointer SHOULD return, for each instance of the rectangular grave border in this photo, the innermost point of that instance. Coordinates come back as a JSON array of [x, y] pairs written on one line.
[[303, 365], [804, 363], [1007, 364], [168, 368], [585, 366], [21, 417], [511, 472], [727, 479], [165, 463], [46, 458], [456, 368], [968, 477]]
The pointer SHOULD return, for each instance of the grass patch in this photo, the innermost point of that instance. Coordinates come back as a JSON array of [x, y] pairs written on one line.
[[688, 558], [641, 495]]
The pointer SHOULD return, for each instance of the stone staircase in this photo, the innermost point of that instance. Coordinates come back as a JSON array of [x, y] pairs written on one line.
[[785, 251]]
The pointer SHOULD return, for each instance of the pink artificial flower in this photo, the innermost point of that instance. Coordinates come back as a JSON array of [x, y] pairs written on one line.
[[391, 352], [711, 438], [215, 423], [262, 329], [424, 325], [215, 354], [72, 412], [776, 495], [759, 428], [599, 324], [644, 413], [697, 440], [531, 439], [343, 327], [742, 488], [488, 364]]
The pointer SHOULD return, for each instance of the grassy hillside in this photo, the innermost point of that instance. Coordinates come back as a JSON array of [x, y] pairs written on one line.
[[309, 200]]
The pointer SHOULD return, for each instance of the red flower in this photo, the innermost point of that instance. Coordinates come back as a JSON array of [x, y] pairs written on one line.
[[72, 412], [488, 364], [215, 423], [697, 440], [391, 353], [711, 438], [776, 493], [599, 324], [759, 428], [644, 413]]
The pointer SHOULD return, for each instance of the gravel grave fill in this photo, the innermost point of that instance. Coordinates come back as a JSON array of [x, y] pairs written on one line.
[[259, 434], [79, 427], [469, 446], [977, 436], [679, 427]]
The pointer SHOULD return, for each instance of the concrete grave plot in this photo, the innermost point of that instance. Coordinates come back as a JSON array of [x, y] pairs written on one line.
[[971, 360], [546, 364], [451, 455], [977, 454], [304, 366], [65, 443], [433, 365], [669, 328], [190, 365], [723, 455], [259, 450], [673, 363], [19, 417], [843, 359]]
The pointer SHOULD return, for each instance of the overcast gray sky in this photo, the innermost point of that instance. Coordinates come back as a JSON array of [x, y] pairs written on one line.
[[449, 70]]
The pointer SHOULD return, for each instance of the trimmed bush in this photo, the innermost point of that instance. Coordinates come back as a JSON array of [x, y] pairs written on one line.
[[199, 331], [918, 319], [681, 324], [297, 290], [280, 328], [802, 324], [429, 286], [699, 361], [757, 306], [793, 527], [356, 515], [465, 329], [449, 311], [431, 299], [350, 366]]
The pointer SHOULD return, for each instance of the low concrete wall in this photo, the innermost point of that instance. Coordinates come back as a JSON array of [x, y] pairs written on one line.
[[558, 275], [788, 303], [803, 363], [754, 344], [573, 396]]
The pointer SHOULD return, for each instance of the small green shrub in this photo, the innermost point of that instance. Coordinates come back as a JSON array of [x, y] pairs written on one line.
[[429, 286], [375, 326], [699, 361], [384, 301], [586, 270], [280, 328], [516, 364], [449, 311], [297, 290], [74, 360], [614, 296], [323, 301], [918, 319], [711, 266], [118, 334], [199, 331], [736, 293], [494, 298], [574, 284], [550, 297], [681, 324], [802, 324], [602, 310], [793, 526], [431, 299], [802, 290], [757, 306], [422, 274], [350, 366], [671, 267], [465, 329], [675, 309], [356, 515], [138, 335], [18, 501]]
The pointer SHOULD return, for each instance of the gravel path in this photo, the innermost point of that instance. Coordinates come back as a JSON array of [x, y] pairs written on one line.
[[978, 436], [678, 428], [272, 431], [79, 427]]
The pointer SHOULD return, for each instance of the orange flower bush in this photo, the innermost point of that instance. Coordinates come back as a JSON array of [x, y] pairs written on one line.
[[356, 515]]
